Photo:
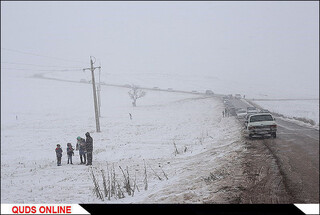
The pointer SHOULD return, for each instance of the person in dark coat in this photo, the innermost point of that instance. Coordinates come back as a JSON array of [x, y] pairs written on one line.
[[81, 145], [70, 152], [89, 148], [59, 154]]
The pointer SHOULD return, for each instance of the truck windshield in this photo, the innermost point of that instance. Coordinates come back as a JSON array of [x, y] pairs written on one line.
[[259, 118]]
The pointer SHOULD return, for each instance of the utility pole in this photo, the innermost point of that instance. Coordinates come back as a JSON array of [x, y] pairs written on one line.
[[94, 94]]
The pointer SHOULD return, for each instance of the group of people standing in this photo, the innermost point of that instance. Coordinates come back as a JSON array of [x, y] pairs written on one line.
[[85, 147]]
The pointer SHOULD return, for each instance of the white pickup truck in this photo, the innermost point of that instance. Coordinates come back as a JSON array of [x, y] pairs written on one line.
[[261, 124]]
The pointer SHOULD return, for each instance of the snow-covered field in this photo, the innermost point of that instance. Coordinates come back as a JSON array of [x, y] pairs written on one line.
[[37, 114]]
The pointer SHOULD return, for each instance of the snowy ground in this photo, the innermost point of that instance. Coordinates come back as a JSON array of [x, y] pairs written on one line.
[[38, 114]]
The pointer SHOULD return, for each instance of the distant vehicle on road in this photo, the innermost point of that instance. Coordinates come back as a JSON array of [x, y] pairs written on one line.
[[251, 110], [170, 89], [260, 125], [264, 111], [232, 110], [226, 102], [209, 92], [156, 88], [237, 96], [241, 113], [194, 91]]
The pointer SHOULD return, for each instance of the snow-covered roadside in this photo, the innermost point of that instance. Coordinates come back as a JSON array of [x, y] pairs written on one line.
[[292, 110], [51, 112]]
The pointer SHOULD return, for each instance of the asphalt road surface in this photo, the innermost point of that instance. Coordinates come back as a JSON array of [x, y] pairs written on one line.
[[295, 153]]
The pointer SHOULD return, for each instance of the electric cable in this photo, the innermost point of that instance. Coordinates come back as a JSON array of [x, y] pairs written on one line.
[[34, 54], [28, 64], [57, 70]]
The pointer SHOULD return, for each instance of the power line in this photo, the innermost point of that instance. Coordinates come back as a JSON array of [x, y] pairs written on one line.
[[34, 54], [28, 64], [49, 70]]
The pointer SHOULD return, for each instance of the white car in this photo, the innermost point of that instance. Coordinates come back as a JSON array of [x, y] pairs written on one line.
[[252, 110], [241, 113], [264, 111], [260, 125], [237, 96], [209, 92]]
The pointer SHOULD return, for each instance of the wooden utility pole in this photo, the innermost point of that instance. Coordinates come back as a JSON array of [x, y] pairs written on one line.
[[94, 94]]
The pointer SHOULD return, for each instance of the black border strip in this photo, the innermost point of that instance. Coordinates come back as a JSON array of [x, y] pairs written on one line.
[[197, 209]]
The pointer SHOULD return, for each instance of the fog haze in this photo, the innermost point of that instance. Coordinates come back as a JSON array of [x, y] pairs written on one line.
[[274, 43]]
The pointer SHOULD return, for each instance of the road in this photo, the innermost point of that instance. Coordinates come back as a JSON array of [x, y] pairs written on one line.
[[295, 152]]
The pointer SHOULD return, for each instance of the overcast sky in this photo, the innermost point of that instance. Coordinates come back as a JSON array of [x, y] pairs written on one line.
[[276, 42]]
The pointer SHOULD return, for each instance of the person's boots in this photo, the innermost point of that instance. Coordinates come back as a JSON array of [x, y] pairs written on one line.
[[81, 159]]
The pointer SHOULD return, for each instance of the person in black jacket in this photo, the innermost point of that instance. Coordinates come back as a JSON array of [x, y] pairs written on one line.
[[89, 148]]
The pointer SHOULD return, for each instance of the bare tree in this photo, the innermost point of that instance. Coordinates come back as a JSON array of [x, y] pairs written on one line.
[[135, 93]]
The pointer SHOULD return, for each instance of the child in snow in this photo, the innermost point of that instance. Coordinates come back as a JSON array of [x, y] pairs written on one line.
[[59, 154], [70, 152], [81, 145]]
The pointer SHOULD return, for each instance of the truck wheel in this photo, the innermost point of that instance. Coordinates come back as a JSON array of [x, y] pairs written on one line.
[[274, 135]]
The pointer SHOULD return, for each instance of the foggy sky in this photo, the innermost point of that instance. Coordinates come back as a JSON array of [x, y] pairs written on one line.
[[275, 42]]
